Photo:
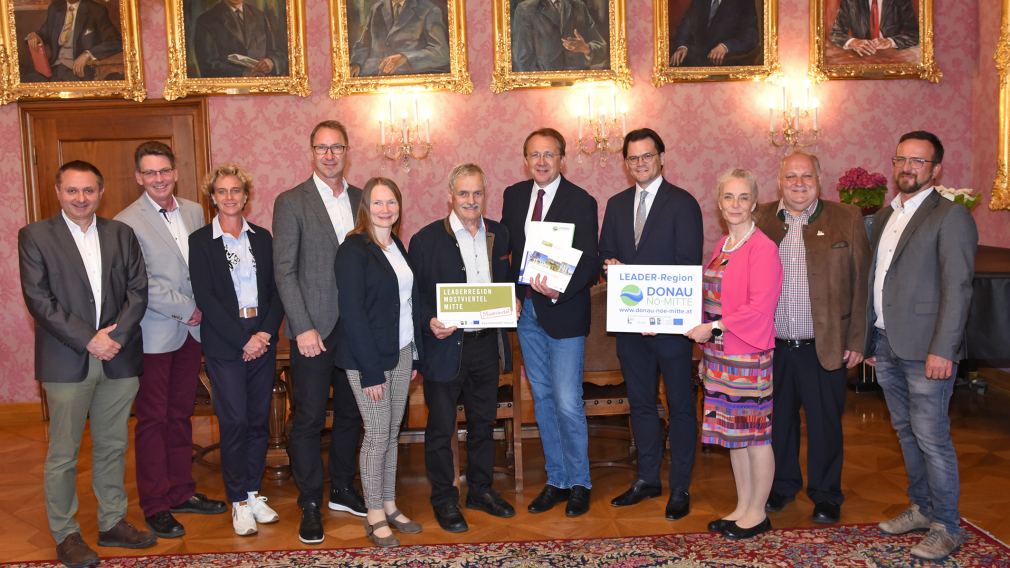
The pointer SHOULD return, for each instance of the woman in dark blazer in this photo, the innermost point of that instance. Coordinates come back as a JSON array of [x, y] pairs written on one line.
[[379, 346], [231, 267]]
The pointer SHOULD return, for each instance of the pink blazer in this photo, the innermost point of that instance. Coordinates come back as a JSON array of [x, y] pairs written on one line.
[[751, 283]]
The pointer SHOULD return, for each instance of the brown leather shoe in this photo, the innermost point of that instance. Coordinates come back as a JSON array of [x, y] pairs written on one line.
[[73, 552], [125, 535]]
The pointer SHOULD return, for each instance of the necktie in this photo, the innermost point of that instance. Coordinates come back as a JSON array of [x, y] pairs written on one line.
[[712, 10], [397, 6], [68, 25], [874, 19], [240, 18], [164, 213], [538, 214], [640, 218]]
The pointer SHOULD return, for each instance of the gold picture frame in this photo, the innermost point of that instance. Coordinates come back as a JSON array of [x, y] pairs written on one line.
[[188, 59], [118, 72], [506, 77], [758, 62], [910, 55], [1001, 185], [356, 69]]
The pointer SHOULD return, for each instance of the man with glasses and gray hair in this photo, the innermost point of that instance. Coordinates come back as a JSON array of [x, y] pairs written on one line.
[[655, 222], [920, 290], [171, 330], [462, 247], [310, 222]]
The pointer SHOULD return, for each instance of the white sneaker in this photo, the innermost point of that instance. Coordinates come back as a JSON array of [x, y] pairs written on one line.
[[261, 511], [242, 519]]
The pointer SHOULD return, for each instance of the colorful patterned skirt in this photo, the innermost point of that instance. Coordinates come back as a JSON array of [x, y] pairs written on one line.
[[738, 398]]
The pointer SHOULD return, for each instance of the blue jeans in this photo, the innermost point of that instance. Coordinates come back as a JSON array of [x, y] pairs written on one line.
[[554, 369], [919, 415]]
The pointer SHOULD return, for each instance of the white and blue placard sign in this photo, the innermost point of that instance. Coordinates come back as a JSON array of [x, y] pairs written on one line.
[[653, 299]]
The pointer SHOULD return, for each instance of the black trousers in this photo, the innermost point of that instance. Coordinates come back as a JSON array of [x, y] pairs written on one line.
[[242, 395], [642, 359], [313, 377], [800, 380], [477, 380]]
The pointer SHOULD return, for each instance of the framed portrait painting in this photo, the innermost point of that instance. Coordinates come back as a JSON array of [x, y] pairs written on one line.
[[58, 49], [235, 47], [714, 40], [379, 44], [547, 43], [872, 39]]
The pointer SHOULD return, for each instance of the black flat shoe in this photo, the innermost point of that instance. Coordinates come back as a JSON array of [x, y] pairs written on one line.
[[734, 532], [719, 525], [638, 492], [678, 506], [827, 513], [548, 498], [578, 502]]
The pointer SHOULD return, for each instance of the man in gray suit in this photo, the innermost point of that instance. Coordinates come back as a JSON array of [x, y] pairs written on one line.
[[164, 434], [84, 283], [920, 288], [310, 222], [556, 35], [401, 37]]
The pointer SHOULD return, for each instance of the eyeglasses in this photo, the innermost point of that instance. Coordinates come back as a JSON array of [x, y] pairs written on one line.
[[535, 156], [336, 149], [914, 163], [644, 158], [154, 174]]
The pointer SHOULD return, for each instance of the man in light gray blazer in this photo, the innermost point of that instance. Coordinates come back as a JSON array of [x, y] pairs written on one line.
[[84, 283], [164, 406], [310, 222], [920, 289]]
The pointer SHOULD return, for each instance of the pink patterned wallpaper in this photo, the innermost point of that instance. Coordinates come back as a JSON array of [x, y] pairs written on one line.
[[707, 128]]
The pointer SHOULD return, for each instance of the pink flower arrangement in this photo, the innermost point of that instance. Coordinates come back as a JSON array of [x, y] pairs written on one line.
[[858, 178], [861, 188]]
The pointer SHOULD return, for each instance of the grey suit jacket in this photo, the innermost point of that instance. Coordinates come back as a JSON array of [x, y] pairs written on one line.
[[170, 301], [537, 31], [927, 290], [58, 295], [305, 249]]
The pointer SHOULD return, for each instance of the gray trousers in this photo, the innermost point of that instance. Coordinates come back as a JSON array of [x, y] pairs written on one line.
[[108, 403], [382, 430]]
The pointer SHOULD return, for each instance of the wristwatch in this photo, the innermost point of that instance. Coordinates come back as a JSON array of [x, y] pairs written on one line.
[[717, 328]]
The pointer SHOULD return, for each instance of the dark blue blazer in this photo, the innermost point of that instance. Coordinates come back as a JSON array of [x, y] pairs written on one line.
[[222, 333], [673, 232], [735, 24], [435, 258], [569, 317], [368, 330]]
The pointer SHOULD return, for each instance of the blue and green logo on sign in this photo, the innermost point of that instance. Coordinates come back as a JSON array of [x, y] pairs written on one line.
[[631, 295]]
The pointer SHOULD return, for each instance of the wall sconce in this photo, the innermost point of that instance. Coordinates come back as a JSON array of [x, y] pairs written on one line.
[[406, 138], [792, 113], [602, 123]]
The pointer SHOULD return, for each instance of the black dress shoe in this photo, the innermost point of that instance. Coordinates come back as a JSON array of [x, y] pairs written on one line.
[[491, 503], [678, 506], [348, 500], [310, 530], [719, 525], [200, 504], [639, 490], [450, 518], [548, 498], [578, 501], [827, 513], [776, 502], [734, 532], [164, 525]]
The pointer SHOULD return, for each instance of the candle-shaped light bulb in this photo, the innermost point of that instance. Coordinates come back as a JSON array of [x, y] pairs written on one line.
[[382, 134]]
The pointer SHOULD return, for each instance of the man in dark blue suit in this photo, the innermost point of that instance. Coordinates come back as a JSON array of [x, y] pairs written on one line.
[[553, 325], [866, 27], [715, 32], [235, 27], [402, 37], [655, 222], [463, 247], [75, 35]]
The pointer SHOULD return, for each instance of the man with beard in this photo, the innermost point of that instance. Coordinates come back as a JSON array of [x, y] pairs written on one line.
[[920, 288]]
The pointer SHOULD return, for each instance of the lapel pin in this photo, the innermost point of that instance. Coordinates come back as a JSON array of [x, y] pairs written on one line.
[[820, 233]]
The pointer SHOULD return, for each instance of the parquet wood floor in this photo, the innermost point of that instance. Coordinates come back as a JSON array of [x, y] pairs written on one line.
[[874, 483]]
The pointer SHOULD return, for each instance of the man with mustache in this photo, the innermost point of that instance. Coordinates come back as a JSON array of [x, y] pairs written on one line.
[[463, 247]]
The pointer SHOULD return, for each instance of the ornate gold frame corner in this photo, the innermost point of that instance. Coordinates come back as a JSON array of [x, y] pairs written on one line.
[[663, 73], [504, 79], [1001, 185], [457, 80], [926, 68], [131, 87], [179, 84]]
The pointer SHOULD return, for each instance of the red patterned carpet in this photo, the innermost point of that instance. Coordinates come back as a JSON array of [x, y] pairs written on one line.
[[845, 546]]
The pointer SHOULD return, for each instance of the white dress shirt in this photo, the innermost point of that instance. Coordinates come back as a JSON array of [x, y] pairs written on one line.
[[91, 254], [176, 226], [338, 208], [405, 280], [241, 263], [889, 238]]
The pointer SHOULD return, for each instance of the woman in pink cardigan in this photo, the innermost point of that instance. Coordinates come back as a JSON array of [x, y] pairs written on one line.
[[741, 289]]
